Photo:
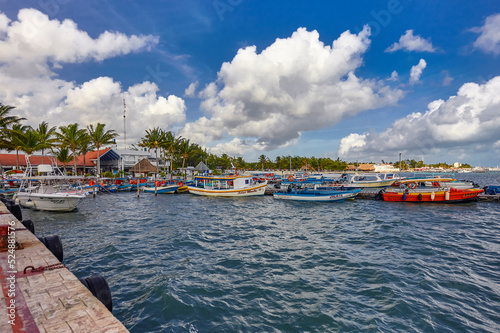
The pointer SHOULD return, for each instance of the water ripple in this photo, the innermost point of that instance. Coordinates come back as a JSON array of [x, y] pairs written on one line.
[[178, 263]]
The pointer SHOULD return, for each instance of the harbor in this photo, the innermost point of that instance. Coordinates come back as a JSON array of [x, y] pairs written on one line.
[[40, 294], [187, 262]]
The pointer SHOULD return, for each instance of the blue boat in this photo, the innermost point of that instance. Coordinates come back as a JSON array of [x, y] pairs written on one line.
[[316, 193]]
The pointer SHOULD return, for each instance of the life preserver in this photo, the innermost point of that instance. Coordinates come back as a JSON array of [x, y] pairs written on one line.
[[306, 175], [157, 183], [163, 182], [91, 183], [412, 185], [180, 183], [133, 182], [290, 178]]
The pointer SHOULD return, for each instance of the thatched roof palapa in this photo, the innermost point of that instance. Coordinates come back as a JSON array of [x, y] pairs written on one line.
[[144, 166]]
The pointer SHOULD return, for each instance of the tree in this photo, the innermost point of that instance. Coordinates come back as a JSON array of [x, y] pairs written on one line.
[[7, 120], [172, 146], [70, 137], [154, 139], [85, 147], [185, 149], [64, 157], [13, 139], [46, 136], [99, 137]]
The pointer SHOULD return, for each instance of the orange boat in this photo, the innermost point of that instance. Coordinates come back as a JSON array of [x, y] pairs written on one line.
[[453, 195]]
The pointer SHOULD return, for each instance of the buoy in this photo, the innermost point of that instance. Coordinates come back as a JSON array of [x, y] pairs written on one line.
[[28, 224], [447, 195], [54, 245], [433, 196], [420, 197], [404, 196], [91, 183], [157, 183], [98, 286]]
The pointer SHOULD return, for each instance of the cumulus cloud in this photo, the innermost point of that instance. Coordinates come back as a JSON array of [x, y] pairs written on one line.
[[472, 117], [296, 84], [394, 76], [191, 90], [409, 42], [34, 38], [33, 47], [489, 35], [416, 71]]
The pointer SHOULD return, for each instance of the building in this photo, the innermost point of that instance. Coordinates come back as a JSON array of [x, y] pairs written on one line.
[[110, 160]]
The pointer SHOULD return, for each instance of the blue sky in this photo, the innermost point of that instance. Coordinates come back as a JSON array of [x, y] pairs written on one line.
[[359, 80]]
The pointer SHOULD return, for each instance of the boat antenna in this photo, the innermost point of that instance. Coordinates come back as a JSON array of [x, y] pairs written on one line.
[[124, 124]]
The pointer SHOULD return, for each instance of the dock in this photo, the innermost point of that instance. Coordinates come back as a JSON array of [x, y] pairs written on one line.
[[39, 293]]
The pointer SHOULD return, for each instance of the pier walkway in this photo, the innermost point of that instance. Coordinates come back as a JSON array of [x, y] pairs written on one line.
[[50, 299]]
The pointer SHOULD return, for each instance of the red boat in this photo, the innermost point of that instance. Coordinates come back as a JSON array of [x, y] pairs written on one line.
[[452, 195]]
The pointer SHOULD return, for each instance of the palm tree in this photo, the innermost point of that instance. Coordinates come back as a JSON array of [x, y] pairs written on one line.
[[172, 146], [185, 149], [262, 160], [100, 137], [13, 139], [5, 119], [70, 137], [85, 147], [64, 157], [46, 136], [154, 139]]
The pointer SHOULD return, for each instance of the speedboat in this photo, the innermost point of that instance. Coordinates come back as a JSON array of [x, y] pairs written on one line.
[[227, 186], [50, 190]]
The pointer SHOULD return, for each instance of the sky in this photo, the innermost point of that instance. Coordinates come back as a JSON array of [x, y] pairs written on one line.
[[361, 80]]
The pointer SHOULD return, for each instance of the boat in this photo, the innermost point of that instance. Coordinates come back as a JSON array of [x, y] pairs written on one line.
[[411, 192], [227, 186], [372, 180], [49, 190], [161, 187], [317, 193]]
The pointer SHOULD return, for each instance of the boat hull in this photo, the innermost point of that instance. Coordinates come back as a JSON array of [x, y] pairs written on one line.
[[161, 189], [330, 196], [54, 203], [374, 184], [242, 192], [451, 196]]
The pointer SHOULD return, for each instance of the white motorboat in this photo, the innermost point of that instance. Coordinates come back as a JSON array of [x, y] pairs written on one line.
[[49, 190]]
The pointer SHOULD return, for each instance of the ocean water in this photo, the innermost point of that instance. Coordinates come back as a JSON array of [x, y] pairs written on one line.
[[182, 263]]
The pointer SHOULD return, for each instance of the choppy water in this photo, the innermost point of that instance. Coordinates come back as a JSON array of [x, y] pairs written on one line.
[[181, 263]]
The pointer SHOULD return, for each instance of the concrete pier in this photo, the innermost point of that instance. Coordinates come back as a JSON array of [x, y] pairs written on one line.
[[49, 298]]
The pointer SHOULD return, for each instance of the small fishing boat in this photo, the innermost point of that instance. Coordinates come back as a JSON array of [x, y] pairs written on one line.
[[316, 193], [227, 186], [161, 187], [372, 180], [412, 192], [50, 190]]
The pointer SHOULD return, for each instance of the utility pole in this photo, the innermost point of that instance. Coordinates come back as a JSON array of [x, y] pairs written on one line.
[[124, 125]]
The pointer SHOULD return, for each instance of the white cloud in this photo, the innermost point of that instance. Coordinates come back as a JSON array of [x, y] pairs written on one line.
[[489, 35], [29, 45], [408, 42], [394, 76], [35, 39], [472, 117], [447, 79], [416, 71], [191, 90], [296, 84]]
